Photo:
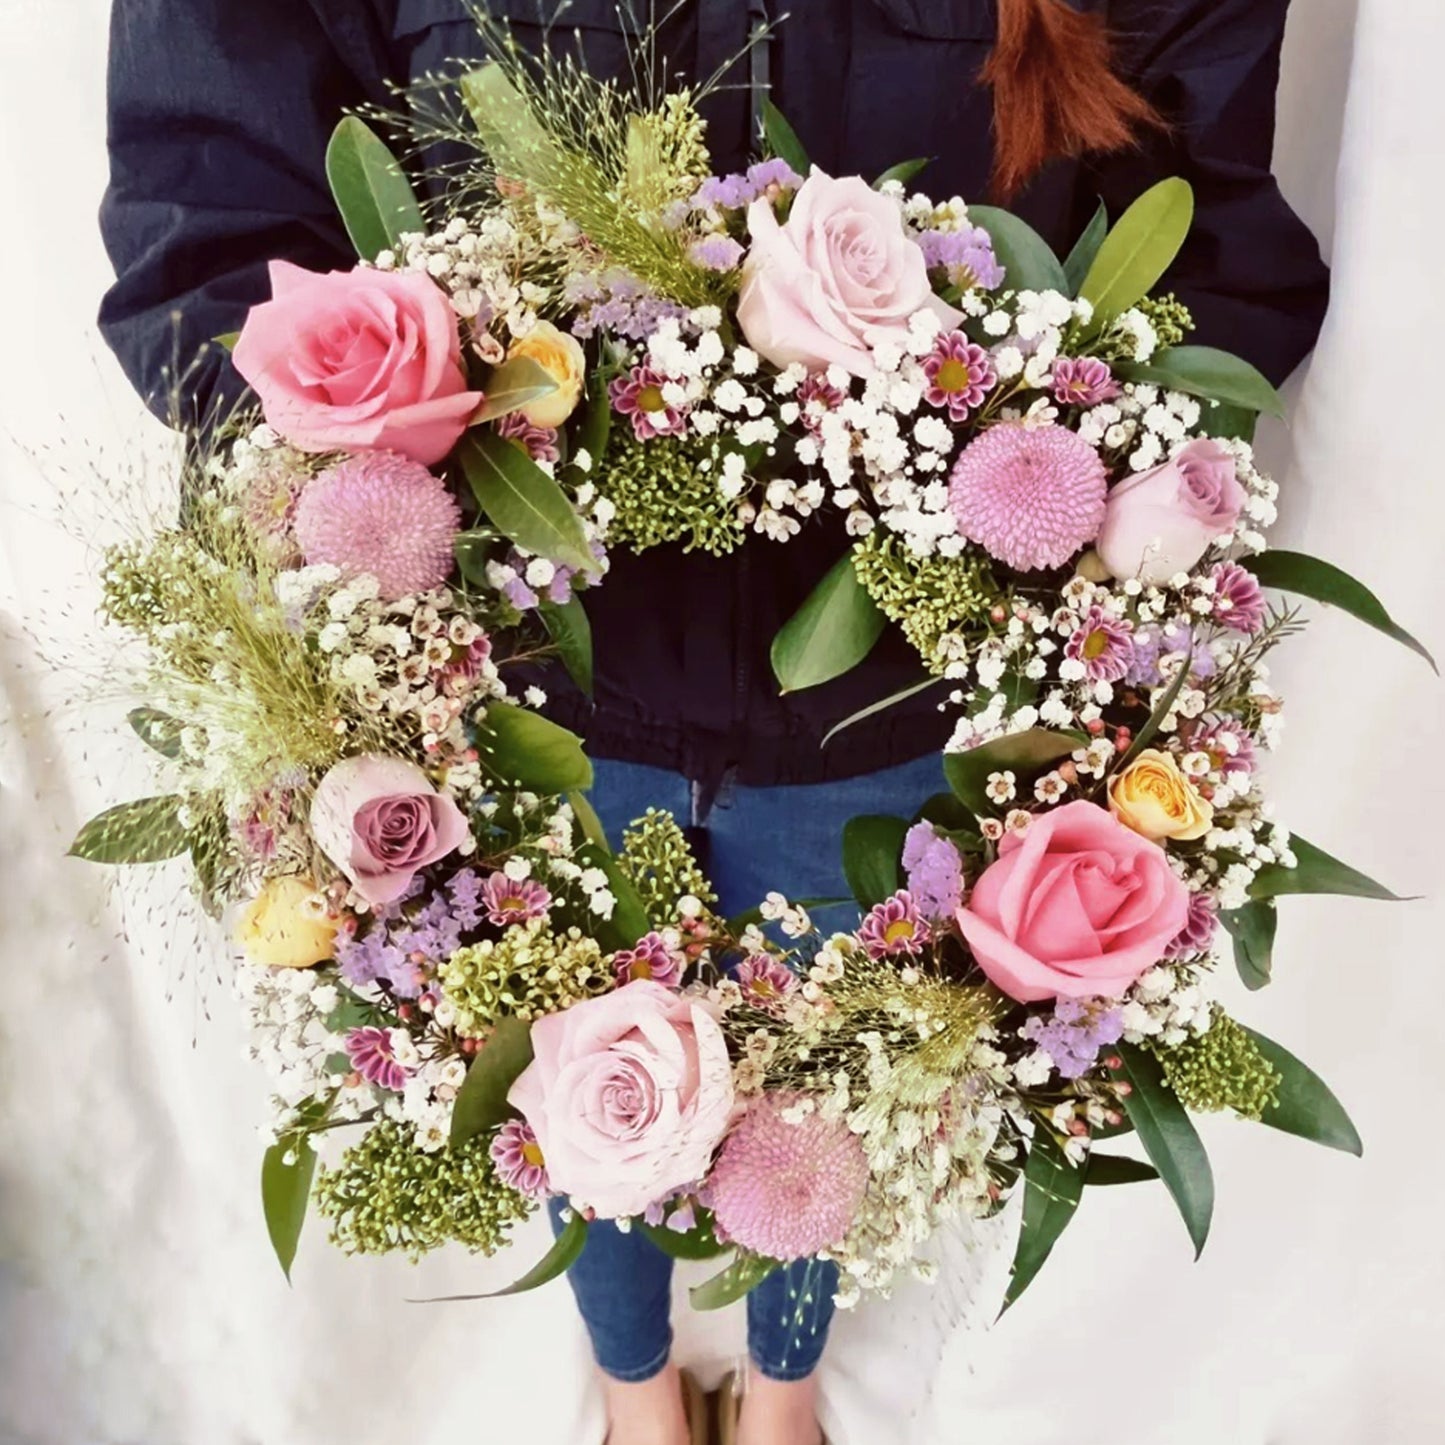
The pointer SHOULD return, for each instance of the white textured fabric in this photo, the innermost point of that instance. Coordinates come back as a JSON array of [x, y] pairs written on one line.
[[138, 1302]]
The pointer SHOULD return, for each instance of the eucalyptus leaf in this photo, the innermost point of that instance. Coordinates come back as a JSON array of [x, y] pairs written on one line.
[[1023, 753], [1308, 576], [1169, 1138], [1207, 372], [558, 1260], [871, 848], [473, 549], [882, 705], [588, 821], [903, 172], [831, 633], [376, 201], [523, 502], [571, 634], [157, 730], [1106, 1169], [481, 1102], [523, 749], [1052, 1189], [1253, 928], [1139, 250], [1221, 420], [1315, 871], [1305, 1105], [1086, 248], [743, 1273], [148, 830], [511, 386], [1028, 260], [285, 1193], [782, 140], [700, 1242]]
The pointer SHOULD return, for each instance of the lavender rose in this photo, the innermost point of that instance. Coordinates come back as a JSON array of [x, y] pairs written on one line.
[[1164, 520], [837, 278], [380, 821]]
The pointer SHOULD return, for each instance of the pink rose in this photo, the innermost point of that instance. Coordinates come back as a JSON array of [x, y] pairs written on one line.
[[628, 1094], [1163, 521], [380, 821], [1076, 906], [839, 277], [358, 361]]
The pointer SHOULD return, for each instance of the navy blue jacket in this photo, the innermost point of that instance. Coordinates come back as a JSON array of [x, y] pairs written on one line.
[[219, 115]]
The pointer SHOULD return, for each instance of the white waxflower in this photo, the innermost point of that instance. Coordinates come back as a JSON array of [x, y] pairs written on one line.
[[1000, 787]]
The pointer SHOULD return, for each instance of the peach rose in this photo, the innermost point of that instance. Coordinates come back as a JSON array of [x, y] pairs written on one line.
[[1157, 801], [360, 360], [283, 926], [560, 355]]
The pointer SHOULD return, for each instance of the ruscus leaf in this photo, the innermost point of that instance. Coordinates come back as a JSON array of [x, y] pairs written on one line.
[[148, 830], [1052, 1188], [526, 750], [287, 1169], [871, 848], [1139, 250], [782, 139], [1027, 259], [376, 201], [481, 1102], [743, 1273], [1207, 372], [558, 1260], [1086, 248], [511, 386], [1305, 1105], [830, 634], [1024, 753]]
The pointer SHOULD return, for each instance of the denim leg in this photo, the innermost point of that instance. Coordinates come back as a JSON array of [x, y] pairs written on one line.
[[623, 1287], [788, 1318]]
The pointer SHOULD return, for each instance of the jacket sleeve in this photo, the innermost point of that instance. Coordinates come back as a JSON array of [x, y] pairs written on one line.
[[219, 114], [1251, 270]]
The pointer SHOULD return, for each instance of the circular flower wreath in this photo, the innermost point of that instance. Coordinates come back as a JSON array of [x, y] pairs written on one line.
[[608, 346]]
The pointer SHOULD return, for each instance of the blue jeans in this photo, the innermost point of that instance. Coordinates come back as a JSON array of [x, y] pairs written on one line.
[[756, 840]]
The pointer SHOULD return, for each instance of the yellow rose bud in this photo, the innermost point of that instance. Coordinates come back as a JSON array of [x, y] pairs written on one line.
[[280, 927], [560, 356], [1157, 801]]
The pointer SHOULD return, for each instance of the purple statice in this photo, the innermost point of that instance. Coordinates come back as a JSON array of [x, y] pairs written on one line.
[[966, 254], [539, 442], [1238, 598], [1082, 381], [960, 375], [1198, 931], [894, 927], [617, 302], [639, 395], [511, 582], [733, 192], [1076, 1032], [763, 175], [1104, 645], [716, 252], [1155, 645], [935, 871], [652, 956]]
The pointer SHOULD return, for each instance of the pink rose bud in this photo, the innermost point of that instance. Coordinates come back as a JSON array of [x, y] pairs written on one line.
[[358, 360], [1076, 906], [381, 821], [1163, 521], [839, 277]]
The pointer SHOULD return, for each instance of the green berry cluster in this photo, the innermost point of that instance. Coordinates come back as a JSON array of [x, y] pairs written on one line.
[[658, 861], [1171, 319], [1222, 1068], [666, 490]]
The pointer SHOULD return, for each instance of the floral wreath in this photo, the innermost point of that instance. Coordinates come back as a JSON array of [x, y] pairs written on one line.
[[599, 343]]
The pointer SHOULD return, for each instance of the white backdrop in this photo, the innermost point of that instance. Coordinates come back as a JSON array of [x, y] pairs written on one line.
[[138, 1304]]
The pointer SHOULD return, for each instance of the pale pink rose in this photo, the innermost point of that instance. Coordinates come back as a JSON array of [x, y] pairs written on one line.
[[1076, 906], [380, 821], [1163, 521], [628, 1094], [837, 278], [358, 360]]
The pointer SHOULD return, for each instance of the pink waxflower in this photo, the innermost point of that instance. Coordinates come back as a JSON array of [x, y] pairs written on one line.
[[509, 900], [639, 395], [960, 374], [787, 1189], [383, 514], [539, 442], [372, 1052], [519, 1160], [358, 360], [893, 927], [1238, 598], [1104, 644], [765, 981], [1083, 381], [1030, 496], [650, 957]]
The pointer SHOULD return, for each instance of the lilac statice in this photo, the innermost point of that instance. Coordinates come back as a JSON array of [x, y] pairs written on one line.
[[717, 252], [618, 302], [966, 254], [935, 871], [1076, 1032], [733, 192], [1154, 644]]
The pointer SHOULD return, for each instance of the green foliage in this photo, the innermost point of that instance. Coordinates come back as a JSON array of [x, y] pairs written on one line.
[[666, 490], [1222, 1068], [837, 626], [523, 749], [1086, 248], [1052, 1188], [1139, 250], [571, 633], [286, 1173], [387, 1195], [481, 1102], [630, 917], [1028, 261], [511, 386], [1304, 1105], [1023, 753], [882, 705], [782, 140], [903, 172], [872, 846], [1203, 371], [699, 1242], [148, 830], [558, 1260], [372, 192], [157, 730], [1315, 871], [743, 1273], [1253, 928], [1110, 1169]]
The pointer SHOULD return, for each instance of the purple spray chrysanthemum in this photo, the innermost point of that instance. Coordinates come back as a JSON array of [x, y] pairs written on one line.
[[373, 1056], [1083, 381], [893, 927], [1238, 598], [960, 374], [935, 871], [509, 900], [1104, 645], [764, 980], [650, 957], [966, 254], [1198, 931], [1229, 745], [639, 395], [1076, 1032], [539, 442], [817, 395], [519, 1160]]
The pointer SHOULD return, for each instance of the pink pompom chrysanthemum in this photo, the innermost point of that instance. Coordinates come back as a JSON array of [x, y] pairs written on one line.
[[384, 514], [893, 926], [1030, 496], [787, 1190], [508, 900], [518, 1157]]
